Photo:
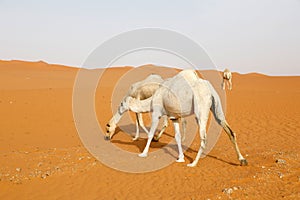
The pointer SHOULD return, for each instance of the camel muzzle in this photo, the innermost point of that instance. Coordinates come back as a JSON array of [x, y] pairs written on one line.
[[107, 138]]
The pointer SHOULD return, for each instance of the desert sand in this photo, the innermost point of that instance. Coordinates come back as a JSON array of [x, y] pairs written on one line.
[[42, 157]]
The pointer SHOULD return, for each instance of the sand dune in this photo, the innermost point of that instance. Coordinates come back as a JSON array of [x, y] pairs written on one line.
[[42, 157]]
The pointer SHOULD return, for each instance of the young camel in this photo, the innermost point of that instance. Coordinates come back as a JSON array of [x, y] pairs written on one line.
[[183, 95], [227, 76], [140, 91]]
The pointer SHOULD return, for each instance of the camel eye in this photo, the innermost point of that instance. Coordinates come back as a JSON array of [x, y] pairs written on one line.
[[121, 103]]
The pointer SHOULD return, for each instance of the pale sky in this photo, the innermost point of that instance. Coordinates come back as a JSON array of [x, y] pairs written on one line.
[[246, 36]]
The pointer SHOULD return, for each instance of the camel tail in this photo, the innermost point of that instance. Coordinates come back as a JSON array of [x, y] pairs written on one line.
[[216, 106]]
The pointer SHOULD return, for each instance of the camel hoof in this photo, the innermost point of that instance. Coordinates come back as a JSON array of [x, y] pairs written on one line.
[[135, 139], [180, 160], [155, 139], [244, 162], [143, 155], [191, 165]]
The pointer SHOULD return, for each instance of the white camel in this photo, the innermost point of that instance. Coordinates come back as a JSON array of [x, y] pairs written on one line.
[[140, 90], [227, 77], [183, 95]]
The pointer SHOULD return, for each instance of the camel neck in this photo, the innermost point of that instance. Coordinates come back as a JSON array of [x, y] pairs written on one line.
[[116, 118]]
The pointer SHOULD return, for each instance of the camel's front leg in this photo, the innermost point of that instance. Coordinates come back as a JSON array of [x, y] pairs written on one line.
[[178, 140], [139, 123], [202, 145], [230, 84], [154, 125], [137, 133], [165, 125], [223, 84], [202, 114], [183, 122]]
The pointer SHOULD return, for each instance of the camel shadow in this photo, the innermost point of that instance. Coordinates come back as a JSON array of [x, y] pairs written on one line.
[[130, 129], [141, 143], [209, 156], [222, 160]]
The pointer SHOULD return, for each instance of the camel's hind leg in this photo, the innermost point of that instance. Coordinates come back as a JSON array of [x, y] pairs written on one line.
[[232, 137]]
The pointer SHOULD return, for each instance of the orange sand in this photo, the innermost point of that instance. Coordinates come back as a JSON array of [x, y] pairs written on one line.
[[41, 156]]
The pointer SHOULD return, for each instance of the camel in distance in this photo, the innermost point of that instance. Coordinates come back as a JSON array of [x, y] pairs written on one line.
[[227, 78]]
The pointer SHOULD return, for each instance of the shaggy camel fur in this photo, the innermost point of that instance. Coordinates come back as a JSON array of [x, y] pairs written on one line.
[[183, 95], [227, 77]]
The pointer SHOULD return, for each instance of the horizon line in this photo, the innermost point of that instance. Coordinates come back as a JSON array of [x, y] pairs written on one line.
[[135, 66]]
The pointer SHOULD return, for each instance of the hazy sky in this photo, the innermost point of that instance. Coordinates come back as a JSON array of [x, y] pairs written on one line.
[[245, 36]]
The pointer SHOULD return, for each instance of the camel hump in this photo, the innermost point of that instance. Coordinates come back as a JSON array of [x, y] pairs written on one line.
[[226, 70], [189, 75]]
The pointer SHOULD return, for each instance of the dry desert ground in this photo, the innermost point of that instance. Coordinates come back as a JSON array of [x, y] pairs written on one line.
[[42, 157]]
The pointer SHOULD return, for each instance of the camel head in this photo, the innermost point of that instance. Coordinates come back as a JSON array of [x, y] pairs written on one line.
[[110, 129], [124, 105], [112, 124]]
